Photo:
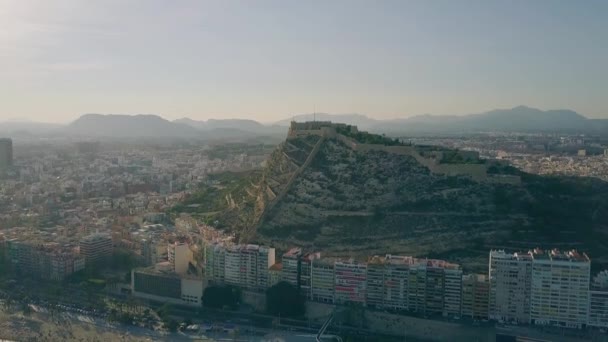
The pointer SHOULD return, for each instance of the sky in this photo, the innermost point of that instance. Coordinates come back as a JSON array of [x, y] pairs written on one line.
[[269, 60]]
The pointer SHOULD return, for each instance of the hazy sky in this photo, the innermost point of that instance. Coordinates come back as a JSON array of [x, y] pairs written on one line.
[[267, 60]]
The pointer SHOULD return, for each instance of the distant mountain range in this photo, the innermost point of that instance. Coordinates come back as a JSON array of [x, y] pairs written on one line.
[[518, 119], [242, 125], [127, 126]]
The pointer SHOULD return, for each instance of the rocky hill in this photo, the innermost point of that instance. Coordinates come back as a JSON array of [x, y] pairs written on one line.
[[336, 192]]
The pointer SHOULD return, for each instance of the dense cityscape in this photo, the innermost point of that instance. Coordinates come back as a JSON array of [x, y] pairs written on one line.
[[115, 216], [303, 171]]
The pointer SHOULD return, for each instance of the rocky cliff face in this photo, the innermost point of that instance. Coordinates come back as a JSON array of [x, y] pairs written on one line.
[[321, 193]]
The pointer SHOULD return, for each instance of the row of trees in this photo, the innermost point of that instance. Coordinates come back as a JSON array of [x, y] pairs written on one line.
[[219, 297], [282, 299]]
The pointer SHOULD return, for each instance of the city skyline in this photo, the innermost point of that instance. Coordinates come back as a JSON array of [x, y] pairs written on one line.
[[227, 60]]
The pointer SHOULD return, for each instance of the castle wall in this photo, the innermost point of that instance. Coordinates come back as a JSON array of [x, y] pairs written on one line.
[[477, 172]]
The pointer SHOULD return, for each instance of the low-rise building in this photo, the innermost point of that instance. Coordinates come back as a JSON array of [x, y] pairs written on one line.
[[160, 283]]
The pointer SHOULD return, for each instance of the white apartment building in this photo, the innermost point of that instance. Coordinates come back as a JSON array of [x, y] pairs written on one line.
[[452, 291], [247, 265], [510, 276], [598, 301], [396, 281], [323, 280], [560, 288]]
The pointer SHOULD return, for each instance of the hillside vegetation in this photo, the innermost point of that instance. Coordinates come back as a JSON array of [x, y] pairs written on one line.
[[319, 193]]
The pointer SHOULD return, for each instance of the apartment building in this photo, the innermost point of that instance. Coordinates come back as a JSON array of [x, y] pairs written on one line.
[[416, 293], [291, 266], [598, 301], [247, 265], [96, 248], [350, 282], [305, 274], [215, 263], [560, 288], [297, 269], [323, 280], [406, 283], [375, 282], [475, 296], [510, 276], [452, 291], [43, 260]]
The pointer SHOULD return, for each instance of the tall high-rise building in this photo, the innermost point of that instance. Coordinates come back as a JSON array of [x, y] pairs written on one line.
[[215, 263], [598, 301], [95, 248], [6, 153], [351, 281], [297, 269], [305, 275], [406, 283], [452, 291], [560, 288], [375, 282], [291, 266], [247, 265], [510, 277], [323, 280]]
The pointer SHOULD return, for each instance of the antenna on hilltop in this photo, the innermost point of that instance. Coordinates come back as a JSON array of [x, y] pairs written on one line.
[[314, 113]]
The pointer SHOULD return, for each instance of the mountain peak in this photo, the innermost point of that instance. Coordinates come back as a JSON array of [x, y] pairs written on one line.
[[121, 125]]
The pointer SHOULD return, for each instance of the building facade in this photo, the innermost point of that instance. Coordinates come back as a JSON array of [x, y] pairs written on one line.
[[350, 282], [560, 288], [180, 256], [598, 301], [242, 265], [215, 263], [510, 276], [96, 248], [291, 266], [323, 281], [452, 291], [43, 261], [475, 296]]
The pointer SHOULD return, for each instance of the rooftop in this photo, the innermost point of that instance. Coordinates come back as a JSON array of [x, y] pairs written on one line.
[[557, 255], [519, 256], [294, 252], [96, 237]]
